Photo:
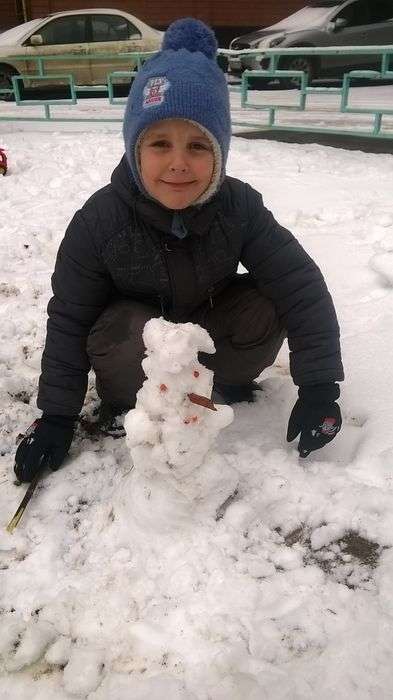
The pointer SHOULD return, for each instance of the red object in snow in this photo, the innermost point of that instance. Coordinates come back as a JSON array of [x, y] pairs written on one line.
[[3, 162]]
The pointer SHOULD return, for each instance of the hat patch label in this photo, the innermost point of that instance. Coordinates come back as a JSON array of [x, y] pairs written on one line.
[[154, 91]]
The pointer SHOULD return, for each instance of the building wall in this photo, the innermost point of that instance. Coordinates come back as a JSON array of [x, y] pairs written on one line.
[[228, 17], [159, 13], [8, 14]]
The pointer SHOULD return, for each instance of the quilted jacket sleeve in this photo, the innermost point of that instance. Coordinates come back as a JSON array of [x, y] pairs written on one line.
[[81, 289], [287, 275]]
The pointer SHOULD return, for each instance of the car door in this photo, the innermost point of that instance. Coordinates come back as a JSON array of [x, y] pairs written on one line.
[[380, 28], [112, 34], [61, 36], [356, 15]]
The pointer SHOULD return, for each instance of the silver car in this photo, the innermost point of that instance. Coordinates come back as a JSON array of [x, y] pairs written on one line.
[[74, 34], [322, 23]]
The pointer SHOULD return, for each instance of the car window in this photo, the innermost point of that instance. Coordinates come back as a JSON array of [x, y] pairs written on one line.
[[111, 28], [381, 10], [356, 13], [64, 30]]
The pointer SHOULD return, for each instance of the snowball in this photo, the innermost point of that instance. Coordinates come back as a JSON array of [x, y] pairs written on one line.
[[239, 515], [83, 672], [140, 428], [174, 344], [326, 534], [59, 653]]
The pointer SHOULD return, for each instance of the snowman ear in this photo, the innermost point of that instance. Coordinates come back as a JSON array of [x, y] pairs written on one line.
[[203, 339], [149, 334]]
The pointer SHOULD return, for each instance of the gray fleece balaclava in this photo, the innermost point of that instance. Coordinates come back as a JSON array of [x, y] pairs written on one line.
[[182, 81]]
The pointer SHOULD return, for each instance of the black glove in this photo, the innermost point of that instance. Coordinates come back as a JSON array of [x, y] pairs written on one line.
[[315, 416], [45, 444]]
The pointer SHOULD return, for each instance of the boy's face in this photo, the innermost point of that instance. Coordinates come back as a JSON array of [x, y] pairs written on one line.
[[177, 162]]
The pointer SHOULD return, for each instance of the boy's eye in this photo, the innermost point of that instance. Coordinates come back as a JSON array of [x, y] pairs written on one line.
[[193, 146], [198, 146], [160, 143]]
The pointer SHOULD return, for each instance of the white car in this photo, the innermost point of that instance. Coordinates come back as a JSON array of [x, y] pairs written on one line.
[[74, 34]]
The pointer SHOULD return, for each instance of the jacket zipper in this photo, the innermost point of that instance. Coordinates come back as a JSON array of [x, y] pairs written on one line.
[[161, 298], [166, 249]]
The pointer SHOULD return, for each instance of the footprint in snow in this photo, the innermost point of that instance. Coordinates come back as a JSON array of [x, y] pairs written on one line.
[[25, 643], [21, 643]]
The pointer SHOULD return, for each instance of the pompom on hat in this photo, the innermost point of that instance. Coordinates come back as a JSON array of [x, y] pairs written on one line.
[[182, 81]]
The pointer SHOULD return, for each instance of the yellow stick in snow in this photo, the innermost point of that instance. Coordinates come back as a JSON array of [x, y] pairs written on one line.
[[26, 498]]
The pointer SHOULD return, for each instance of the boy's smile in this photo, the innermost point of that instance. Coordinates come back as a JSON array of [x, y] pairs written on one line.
[[176, 162]]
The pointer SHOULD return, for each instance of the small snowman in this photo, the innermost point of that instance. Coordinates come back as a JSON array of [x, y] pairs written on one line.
[[177, 474]]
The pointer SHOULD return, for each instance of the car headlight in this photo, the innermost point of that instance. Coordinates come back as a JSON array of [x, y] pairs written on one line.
[[268, 42], [276, 41]]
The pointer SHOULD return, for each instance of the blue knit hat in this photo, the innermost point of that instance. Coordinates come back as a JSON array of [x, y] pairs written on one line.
[[182, 81]]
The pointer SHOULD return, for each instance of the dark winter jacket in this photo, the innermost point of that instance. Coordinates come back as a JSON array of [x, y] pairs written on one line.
[[120, 245]]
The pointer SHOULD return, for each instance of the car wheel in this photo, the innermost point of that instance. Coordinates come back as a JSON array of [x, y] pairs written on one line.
[[303, 63], [6, 73]]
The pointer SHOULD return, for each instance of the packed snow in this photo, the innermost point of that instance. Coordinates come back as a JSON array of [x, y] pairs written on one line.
[[274, 579], [177, 473]]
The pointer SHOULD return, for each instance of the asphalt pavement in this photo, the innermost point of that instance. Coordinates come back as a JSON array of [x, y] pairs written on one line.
[[366, 144]]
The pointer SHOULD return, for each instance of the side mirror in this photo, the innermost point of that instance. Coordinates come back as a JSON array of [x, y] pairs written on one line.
[[339, 23], [36, 40]]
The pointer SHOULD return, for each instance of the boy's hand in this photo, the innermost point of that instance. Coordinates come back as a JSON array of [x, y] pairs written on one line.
[[45, 444], [316, 416]]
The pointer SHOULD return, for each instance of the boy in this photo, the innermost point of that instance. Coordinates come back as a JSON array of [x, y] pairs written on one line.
[[165, 238]]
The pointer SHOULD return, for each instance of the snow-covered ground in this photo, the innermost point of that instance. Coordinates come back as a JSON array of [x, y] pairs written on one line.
[[288, 595]]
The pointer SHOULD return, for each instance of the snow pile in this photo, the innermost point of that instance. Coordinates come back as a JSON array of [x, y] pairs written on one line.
[[172, 429]]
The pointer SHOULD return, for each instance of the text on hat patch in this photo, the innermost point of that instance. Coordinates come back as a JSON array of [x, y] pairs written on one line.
[[154, 91]]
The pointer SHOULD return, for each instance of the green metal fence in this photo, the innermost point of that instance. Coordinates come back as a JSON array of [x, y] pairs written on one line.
[[16, 92], [247, 103], [383, 55]]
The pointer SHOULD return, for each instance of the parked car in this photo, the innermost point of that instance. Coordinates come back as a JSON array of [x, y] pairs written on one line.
[[321, 23], [74, 34]]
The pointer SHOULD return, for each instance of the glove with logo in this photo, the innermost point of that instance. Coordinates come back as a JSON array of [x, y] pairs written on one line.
[[45, 444], [316, 416]]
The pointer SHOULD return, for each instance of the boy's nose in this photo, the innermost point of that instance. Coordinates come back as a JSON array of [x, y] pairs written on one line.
[[178, 168], [178, 162]]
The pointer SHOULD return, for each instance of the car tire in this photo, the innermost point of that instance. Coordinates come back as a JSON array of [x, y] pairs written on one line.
[[304, 63]]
